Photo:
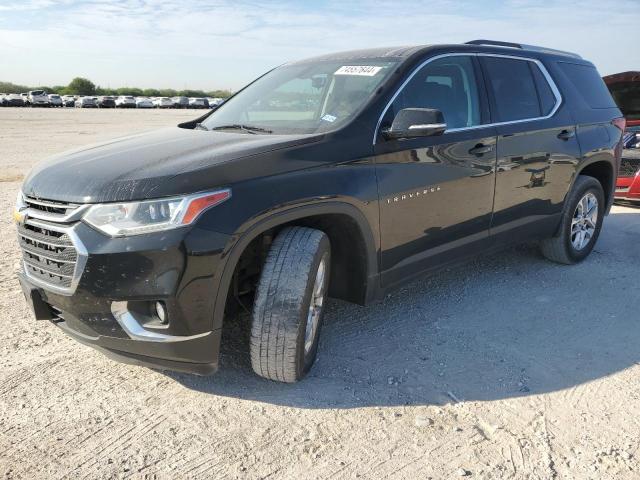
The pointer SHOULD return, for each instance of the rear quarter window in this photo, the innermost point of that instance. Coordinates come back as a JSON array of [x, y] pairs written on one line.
[[589, 84]]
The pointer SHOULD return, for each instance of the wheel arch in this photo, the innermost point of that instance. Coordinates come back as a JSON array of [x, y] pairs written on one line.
[[602, 170], [340, 221]]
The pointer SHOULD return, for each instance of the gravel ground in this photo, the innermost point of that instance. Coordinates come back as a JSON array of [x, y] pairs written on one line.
[[508, 367]]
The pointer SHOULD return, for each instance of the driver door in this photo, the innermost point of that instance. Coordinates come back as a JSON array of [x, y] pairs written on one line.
[[436, 192]]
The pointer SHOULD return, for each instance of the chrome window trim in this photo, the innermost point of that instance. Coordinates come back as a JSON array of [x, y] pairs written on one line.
[[81, 254], [539, 64]]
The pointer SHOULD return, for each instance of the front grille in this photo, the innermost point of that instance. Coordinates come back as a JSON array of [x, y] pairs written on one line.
[[49, 255], [60, 209]]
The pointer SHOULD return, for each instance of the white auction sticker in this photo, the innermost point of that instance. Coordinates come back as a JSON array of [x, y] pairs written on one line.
[[364, 70]]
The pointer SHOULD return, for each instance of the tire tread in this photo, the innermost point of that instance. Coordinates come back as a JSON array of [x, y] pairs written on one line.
[[279, 298]]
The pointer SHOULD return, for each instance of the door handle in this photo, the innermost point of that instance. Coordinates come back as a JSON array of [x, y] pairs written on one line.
[[566, 134], [481, 149]]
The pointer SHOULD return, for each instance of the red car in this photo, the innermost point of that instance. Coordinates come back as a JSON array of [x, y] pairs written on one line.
[[625, 89]]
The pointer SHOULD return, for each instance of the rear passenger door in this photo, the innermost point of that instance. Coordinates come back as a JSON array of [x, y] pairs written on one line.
[[537, 147]]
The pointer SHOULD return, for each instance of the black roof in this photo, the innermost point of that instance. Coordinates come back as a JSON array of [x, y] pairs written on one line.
[[368, 53], [404, 52]]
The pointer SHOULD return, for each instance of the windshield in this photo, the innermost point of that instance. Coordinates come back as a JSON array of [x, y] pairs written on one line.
[[304, 97]]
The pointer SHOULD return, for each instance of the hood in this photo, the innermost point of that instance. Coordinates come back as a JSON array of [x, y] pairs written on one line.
[[143, 166]]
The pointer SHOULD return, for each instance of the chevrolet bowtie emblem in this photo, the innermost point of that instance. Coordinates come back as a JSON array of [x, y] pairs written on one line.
[[19, 216]]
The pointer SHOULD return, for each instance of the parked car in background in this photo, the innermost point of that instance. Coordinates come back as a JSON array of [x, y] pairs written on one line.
[[215, 102], [86, 102], [197, 102], [163, 102], [625, 90], [106, 101], [3, 100], [125, 101], [38, 98], [68, 100], [14, 100], [159, 237], [180, 102], [55, 100], [144, 102]]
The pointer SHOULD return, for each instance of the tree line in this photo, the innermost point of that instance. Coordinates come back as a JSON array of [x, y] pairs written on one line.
[[84, 86]]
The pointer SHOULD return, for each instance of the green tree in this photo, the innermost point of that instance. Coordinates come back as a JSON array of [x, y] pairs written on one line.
[[8, 87], [167, 92], [151, 92], [219, 93], [81, 86], [192, 93], [136, 92]]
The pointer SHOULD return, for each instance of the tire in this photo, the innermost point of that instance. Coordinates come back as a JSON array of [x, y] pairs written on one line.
[[282, 348], [565, 247]]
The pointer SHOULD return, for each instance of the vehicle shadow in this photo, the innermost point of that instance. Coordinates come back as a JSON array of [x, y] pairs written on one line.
[[506, 325]]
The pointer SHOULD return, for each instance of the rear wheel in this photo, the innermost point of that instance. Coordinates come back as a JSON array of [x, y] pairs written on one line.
[[581, 223], [289, 304]]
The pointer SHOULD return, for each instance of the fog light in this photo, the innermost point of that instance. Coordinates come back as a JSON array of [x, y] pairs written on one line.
[[161, 312]]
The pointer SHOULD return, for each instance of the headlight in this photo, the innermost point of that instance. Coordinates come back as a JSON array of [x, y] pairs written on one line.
[[135, 218]]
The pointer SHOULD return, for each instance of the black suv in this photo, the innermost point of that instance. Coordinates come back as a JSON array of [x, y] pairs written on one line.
[[343, 175]]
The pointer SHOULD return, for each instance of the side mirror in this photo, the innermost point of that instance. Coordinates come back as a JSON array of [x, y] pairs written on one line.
[[416, 122]]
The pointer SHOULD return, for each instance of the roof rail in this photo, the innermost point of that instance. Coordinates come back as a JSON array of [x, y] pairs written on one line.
[[522, 46]]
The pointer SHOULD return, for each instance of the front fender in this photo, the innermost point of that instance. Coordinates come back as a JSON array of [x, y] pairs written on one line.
[[254, 227]]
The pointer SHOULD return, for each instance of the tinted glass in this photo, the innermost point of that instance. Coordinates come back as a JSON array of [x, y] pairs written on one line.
[[449, 85], [589, 84], [547, 99], [513, 87], [306, 97]]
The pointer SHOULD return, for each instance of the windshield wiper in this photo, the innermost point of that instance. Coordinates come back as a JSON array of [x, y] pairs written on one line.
[[238, 126], [200, 126]]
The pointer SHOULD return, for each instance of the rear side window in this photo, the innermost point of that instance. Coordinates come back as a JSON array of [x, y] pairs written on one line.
[[589, 84], [513, 87]]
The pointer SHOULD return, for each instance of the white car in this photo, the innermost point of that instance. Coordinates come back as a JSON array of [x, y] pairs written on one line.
[[143, 102], [125, 101], [86, 102], [163, 102], [68, 101], [55, 100], [215, 102], [198, 103], [38, 98]]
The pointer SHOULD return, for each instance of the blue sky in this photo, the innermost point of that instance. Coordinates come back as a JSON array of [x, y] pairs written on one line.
[[224, 44]]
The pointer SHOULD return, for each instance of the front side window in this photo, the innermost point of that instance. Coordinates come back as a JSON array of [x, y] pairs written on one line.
[[447, 84], [513, 87], [308, 97]]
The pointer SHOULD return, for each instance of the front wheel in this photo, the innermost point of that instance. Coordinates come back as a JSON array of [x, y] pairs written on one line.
[[580, 225], [289, 304]]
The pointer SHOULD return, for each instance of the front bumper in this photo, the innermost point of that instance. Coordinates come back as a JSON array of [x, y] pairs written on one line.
[[122, 277]]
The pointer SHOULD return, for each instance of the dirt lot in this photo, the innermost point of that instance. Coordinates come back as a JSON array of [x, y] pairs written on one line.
[[509, 367]]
